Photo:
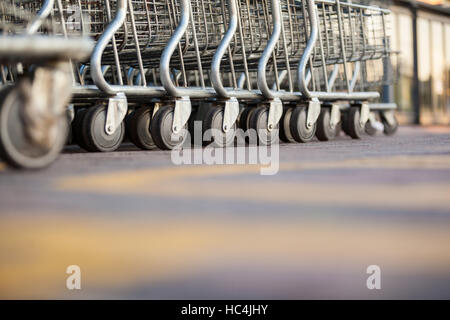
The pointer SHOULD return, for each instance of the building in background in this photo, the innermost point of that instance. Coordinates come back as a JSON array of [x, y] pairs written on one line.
[[421, 36]]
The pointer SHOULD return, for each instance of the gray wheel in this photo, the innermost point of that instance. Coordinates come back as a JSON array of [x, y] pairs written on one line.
[[370, 129], [77, 137], [258, 122], [244, 118], [389, 129], [192, 127], [285, 127], [93, 131], [344, 123], [138, 128], [213, 129], [161, 129], [299, 129], [16, 148], [353, 123], [324, 130]]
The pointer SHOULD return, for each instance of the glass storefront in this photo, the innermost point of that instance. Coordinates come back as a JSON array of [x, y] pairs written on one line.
[[433, 39], [403, 61]]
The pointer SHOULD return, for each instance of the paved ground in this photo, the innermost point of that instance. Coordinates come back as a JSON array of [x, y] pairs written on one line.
[[140, 227]]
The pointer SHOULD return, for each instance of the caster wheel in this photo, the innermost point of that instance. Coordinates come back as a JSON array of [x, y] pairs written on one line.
[[126, 137], [16, 148], [353, 126], [69, 140], [77, 136], [258, 122], [213, 124], [244, 118], [191, 128], [324, 130], [138, 128], [94, 135], [344, 124], [300, 131], [370, 129], [389, 129], [69, 134], [285, 128], [161, 129]]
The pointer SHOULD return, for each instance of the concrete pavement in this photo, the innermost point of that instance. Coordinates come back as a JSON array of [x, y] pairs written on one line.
[[140, 227]]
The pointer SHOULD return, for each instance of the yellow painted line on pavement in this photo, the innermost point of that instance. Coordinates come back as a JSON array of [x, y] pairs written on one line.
[[117, 253], [396, 162], [135, 178], [188, 182], [437, 129]]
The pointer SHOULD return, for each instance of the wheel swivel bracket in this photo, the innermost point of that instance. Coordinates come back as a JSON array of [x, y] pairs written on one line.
[[275, 114], [116, 112], [365, 114], [389, 116], [182, 113], [70, 113], [230, 114], [314, 108], [335, 117]]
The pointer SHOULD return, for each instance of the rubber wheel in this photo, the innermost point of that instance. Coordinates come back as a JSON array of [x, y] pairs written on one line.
[[213, 129], [94, 135], [300, 131], [344, 123], [285, 128], [324, 130], [15, 147], [77, 136], [126, 137], [191, 128], [258, 122], [389, 130], [161, 129], [69, 133], [353, 125], [244, 118], [369, 129], [138, 128]]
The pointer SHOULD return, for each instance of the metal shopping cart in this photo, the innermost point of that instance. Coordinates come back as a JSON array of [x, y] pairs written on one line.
[[298, 68], [35, 83]]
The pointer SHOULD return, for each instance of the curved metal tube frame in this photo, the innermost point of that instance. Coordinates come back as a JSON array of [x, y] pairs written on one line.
[[198, 93], [43, 13], [167, 54], [216, 79], [268, 51], [96, 58], [302, 73]]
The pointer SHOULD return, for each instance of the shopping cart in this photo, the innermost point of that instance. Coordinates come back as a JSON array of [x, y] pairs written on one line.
[[35, 84], [298, 68]]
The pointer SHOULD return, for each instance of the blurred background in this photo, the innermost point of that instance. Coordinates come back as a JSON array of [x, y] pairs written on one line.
[[421, 36]]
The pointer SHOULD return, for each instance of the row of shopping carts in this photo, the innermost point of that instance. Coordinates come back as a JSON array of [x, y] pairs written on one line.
[[286, 69]]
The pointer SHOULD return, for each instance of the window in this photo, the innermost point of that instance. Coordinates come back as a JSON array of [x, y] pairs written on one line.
[[402, 28]]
